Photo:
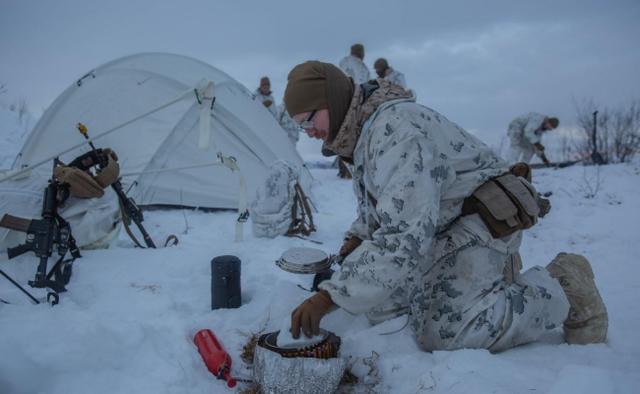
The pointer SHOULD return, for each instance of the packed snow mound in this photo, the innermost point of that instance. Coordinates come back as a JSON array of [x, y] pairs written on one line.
[[128, 320]]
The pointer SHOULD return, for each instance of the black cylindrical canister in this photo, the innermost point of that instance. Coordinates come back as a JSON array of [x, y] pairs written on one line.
[[225, 282]]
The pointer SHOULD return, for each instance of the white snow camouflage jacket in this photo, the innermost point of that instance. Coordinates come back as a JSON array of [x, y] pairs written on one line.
[[412, 170], [264, 97], [525, 130], [355, 68]]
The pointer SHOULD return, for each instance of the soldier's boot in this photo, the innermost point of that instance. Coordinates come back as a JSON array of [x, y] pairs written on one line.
[[588, 320]]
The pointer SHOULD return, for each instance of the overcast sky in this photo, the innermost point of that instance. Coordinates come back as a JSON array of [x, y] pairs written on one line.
[[480, 63]]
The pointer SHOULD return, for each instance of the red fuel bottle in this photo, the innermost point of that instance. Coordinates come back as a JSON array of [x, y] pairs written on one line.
[[216, 359]]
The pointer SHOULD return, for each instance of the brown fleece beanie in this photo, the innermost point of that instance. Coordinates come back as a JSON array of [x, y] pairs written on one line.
[[315, 85], [381, 64], [305, 89], [553, 122]]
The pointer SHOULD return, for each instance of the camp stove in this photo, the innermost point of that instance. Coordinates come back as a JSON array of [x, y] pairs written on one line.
[[327, 347], [315, 368]]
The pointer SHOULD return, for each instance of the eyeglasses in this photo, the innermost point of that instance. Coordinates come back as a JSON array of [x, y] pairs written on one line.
[[308, 123]]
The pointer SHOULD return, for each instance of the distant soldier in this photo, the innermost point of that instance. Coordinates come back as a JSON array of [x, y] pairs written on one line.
[[525, 133], [387, 73], [263, 93], [353, 65]]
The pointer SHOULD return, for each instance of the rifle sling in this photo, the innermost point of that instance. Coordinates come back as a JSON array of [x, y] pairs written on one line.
[[126, 221]]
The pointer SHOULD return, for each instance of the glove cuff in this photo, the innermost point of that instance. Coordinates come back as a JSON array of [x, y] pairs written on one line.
[[323, 299]]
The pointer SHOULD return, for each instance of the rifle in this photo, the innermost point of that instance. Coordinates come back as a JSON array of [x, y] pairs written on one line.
[[42, 235], [562, 164], [128, 207]]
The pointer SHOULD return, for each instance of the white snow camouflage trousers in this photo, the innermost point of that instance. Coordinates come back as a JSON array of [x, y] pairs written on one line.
[[465, 301], [520, 152]]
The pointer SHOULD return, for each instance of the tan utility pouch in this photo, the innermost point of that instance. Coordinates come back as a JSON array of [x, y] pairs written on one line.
[[81, 183], [506, 204]]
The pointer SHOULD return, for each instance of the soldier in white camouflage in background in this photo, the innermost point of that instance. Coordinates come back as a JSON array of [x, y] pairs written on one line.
[[525, 133], [353, 65], [387, 73], [423, 242], [264, 95]]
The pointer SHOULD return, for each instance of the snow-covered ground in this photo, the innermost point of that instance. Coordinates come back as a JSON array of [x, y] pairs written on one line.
[[127, 322]]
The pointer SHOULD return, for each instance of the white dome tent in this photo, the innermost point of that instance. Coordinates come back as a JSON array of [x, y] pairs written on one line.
[[128, 87], [152, 110]]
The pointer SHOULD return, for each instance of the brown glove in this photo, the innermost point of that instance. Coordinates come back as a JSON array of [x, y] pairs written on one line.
[[349, 245], [81, 183], [521, 169], [267, 103], [307, 316], [110, 173]]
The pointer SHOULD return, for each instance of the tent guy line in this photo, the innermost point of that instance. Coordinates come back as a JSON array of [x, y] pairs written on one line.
[[97, 136], [216, 163]]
